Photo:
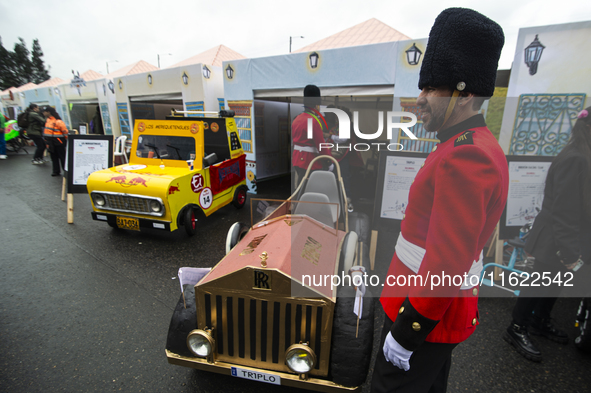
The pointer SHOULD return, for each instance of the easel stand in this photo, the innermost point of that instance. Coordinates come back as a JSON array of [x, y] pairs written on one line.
[[496, 247]]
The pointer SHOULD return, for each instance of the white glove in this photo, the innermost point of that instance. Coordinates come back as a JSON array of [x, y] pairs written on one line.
[[331, 168], [396, 353]]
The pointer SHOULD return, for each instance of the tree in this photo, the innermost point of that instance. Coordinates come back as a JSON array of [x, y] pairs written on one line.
[[21, 66], [7, 76], [40, 74]]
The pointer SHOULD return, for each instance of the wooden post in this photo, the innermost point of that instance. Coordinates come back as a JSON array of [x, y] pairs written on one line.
[[498, 255], [493, 243], [70, 204], [64, 186], [373, 246]]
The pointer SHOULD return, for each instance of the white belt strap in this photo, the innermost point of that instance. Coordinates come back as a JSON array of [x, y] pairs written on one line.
[[309, 149], [412, 257]]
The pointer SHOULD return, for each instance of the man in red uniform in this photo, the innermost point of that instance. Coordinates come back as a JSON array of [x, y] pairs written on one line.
[[305, 149], [455, 203]]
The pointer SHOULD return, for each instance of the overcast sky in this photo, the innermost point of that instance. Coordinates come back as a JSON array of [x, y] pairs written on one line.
[[82, 34]]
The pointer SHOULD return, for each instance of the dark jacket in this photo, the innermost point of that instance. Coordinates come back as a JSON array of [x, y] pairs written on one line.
[[36, 124], [562, 224]]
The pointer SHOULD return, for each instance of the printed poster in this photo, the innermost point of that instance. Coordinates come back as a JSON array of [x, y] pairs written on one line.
[[399, 174], [526, 191], [89, 156]]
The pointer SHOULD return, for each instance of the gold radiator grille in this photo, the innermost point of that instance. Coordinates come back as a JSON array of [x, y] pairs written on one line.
[[256, 332]]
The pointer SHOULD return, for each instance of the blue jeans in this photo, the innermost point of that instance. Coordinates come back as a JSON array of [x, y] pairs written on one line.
[[2, 143]]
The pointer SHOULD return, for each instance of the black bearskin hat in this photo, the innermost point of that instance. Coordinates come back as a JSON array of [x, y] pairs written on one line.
[[312, 95], [464, 46]]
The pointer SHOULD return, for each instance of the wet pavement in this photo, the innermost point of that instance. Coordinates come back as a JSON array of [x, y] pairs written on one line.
[[85, 308]]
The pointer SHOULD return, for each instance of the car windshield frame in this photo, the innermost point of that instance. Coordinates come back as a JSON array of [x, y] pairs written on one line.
[[166, 147]]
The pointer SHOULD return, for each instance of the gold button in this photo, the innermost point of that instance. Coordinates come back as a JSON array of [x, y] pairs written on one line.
[[422, 165], [474, 322], [401, 310], [416, 326], [404, 215], [434, 148], [475, 291]]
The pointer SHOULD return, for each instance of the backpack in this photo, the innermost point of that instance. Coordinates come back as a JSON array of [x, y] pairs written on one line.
[[23, 120]]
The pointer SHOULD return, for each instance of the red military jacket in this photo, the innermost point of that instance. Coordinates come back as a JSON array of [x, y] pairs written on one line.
[[299, 130], [455, 203]]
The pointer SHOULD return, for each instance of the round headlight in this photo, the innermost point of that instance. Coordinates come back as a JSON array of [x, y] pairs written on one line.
[[155, 206], [200, 343], [99, 200], [300, 358]]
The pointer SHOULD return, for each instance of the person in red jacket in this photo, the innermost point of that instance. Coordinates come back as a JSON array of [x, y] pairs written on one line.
[[306, 149], [431, 295]]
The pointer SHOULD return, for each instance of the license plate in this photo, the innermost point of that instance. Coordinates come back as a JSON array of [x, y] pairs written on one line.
[[128, 223], [256, 376]]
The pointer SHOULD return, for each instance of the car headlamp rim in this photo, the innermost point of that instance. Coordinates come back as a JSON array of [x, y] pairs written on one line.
[[300, 349], [155, 206], [99, 200], [208, 339]]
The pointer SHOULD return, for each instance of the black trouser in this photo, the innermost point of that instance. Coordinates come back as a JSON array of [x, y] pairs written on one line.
[[429, 368], [58, 154], [535, 303], [299, 175], [40, 143]]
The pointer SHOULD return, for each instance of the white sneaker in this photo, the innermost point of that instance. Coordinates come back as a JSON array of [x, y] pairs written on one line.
[[3, 157]]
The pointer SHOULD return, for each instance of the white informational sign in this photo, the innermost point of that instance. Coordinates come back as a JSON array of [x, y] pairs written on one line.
[[399, 174], [89, 156], [82, 129], [526, 191]]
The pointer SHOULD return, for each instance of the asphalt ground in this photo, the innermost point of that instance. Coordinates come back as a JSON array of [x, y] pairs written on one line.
[[85, 308]]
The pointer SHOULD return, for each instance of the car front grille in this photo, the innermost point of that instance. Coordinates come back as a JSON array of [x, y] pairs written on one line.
[[256, 332], [127, 203]]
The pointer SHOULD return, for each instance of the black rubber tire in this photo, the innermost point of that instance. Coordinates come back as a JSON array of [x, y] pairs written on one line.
[[183, 321], [343, 253], [349, 355], [235, 234], [190, 219], [240, 197]]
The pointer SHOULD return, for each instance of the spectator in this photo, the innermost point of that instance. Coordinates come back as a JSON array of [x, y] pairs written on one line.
[[35, 132], [97, 123], [559, 239], [304, 149], [56, 136]]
